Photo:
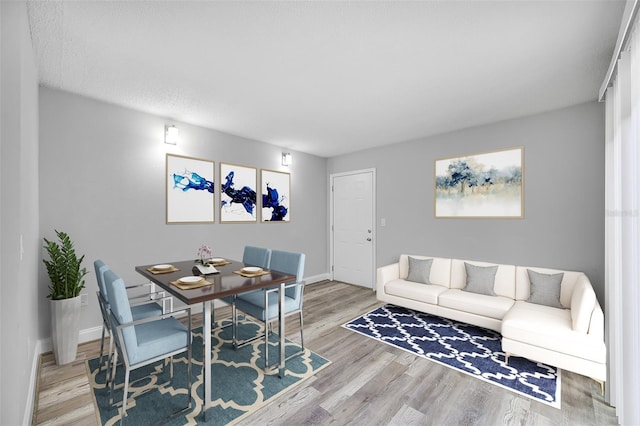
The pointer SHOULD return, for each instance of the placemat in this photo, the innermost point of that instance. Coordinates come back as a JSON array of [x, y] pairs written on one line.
[[183, 286], [162, 271], [252, 274]]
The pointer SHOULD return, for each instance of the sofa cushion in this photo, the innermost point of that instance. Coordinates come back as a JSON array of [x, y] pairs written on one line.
[[478, 304], [569, 279], [504, 282], [480, 279], [440, 269], [419, 270], [545, 288], [550, 328], [427, 293]]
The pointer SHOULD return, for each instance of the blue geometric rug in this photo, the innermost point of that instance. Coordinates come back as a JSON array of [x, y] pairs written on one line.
[[472, 350], [239, 384]]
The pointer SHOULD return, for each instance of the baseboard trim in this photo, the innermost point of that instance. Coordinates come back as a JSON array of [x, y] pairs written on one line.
[[316, 278], [30, 404]]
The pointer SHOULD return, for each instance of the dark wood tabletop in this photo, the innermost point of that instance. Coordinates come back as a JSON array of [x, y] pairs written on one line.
[[225, 283]]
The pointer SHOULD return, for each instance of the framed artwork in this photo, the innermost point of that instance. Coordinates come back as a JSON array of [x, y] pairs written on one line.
[[238, 189], [486, 185], [276, 198], [190, 190]]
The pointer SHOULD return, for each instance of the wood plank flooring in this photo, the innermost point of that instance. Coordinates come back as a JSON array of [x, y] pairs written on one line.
[[368, 383]]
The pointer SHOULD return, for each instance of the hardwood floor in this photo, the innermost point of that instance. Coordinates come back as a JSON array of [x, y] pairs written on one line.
[[368, 383]]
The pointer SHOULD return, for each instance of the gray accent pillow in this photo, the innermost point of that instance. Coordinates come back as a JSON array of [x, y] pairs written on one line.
[[419, 270], [480, 279], [545, 289]]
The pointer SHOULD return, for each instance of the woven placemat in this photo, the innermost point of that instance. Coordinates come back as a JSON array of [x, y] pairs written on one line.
[[252, 274], [191, 286], [162, 271]]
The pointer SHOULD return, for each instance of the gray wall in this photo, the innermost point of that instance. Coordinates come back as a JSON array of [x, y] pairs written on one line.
[[102, 180], [563, 225], [19, 296]]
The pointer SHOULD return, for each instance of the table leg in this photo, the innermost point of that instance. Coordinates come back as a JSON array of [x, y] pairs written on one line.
[[206, 330], [282, 371]]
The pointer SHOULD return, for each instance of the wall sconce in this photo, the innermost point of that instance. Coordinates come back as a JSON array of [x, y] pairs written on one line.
[[171, 134], [286, 158]]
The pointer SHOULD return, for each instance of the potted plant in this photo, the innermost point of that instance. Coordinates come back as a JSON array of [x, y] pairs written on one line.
[[66, 276]]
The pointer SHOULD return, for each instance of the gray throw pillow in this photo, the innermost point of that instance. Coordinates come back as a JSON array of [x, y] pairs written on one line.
[[545, 288], [480, 279], [419, 270]]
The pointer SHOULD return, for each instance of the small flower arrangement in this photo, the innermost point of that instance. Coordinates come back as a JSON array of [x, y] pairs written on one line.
[[204, 252]]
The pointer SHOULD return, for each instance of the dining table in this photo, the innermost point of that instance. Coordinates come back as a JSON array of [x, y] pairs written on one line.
[[229, 280]]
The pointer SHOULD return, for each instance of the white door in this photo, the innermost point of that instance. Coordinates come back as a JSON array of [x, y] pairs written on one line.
[[353, 227]]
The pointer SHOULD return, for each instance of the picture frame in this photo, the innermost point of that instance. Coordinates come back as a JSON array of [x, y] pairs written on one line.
[[190, 190], [238, 194], [483, 185], [275, 196]]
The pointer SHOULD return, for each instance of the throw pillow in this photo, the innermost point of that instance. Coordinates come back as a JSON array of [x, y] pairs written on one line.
[[419, 270], [480, 279], [545, 288]]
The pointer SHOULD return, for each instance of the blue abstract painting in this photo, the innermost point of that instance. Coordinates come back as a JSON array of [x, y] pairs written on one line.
[[190, 189], [480, 185], [275, 196], [238, 194]]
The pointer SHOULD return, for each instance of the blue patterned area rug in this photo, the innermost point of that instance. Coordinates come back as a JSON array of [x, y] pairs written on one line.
[[239, 384], [472, 350]]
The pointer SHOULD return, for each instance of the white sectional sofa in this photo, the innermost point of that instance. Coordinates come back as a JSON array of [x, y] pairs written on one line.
[[561, 327]]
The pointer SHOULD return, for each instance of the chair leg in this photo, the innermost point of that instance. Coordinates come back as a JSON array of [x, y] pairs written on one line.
[[109, 361], [234, 326], [113, 377], [104, 327], [189, 340], [301, 333], [126, 391], [266, 346]]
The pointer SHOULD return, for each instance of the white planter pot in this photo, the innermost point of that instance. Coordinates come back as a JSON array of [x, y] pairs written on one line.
[[65, 329]]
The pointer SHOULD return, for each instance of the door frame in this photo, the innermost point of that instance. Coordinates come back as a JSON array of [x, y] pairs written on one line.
[[374, 230]]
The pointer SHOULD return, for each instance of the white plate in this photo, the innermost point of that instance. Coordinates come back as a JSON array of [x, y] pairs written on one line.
[[217, 260], [251, 269], [162, 267], [190, 280]]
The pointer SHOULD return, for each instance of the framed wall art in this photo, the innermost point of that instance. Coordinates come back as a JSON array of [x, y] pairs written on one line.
[[485, 185], [276, 198], [238, 189], [190, 190]]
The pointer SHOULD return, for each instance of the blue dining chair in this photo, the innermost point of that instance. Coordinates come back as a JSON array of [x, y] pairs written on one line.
[[145, 341], [256, 256], [142, 306], [251, 256], [263, 305]]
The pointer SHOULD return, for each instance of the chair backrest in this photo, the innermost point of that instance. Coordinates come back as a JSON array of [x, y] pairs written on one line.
[[121, 310], [257, 256], [101, 268], [291, 263]]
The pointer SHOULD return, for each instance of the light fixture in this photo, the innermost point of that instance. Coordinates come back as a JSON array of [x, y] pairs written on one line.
[[171, 134], [286, 158]]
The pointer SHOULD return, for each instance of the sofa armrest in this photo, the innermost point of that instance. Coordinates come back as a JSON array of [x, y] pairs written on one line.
[[583, 303], [596, 327], [386, 274]]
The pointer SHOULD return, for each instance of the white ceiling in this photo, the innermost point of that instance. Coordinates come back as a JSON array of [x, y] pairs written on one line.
[[328, 78]]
